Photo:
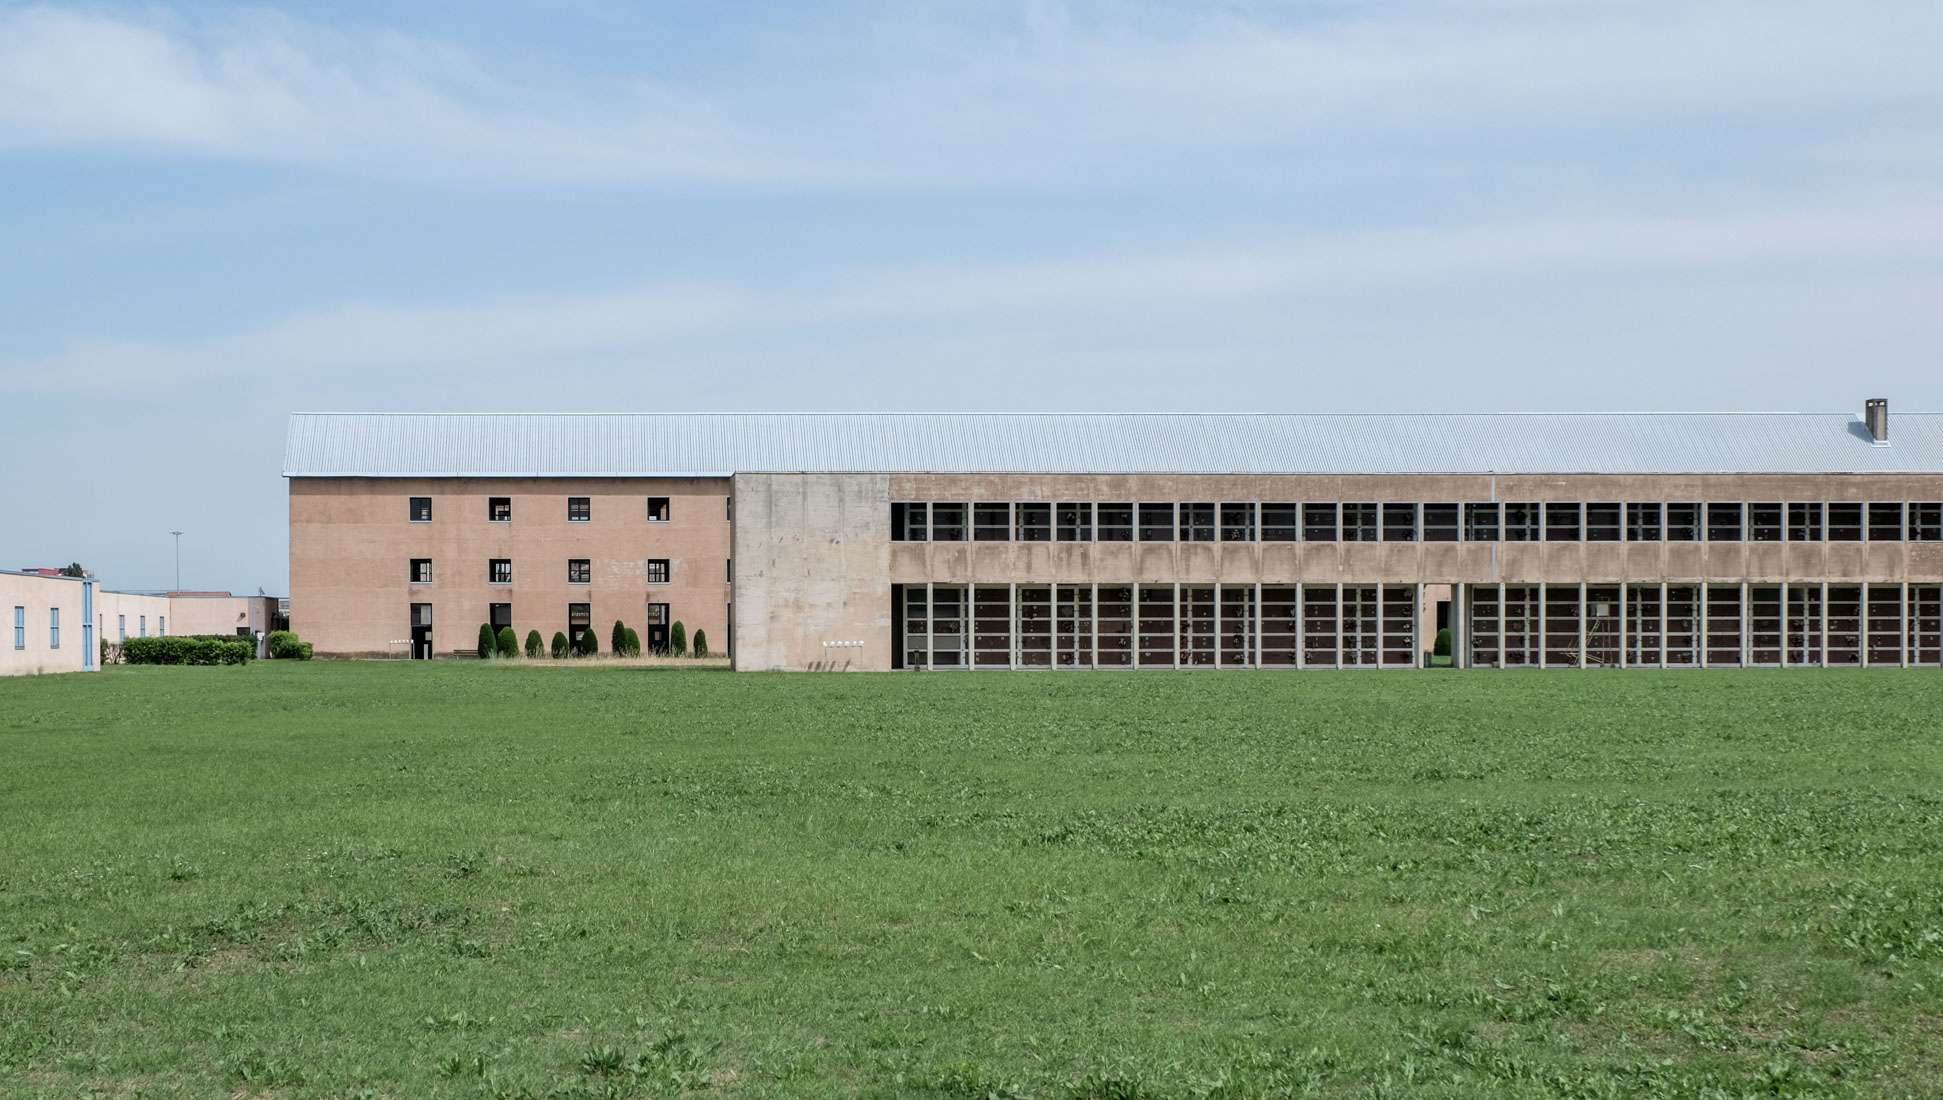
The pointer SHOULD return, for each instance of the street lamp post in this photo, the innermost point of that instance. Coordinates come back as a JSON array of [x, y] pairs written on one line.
[[178, 559]]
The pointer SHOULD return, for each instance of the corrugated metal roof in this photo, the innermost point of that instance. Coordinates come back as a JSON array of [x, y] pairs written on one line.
[[717, 444]]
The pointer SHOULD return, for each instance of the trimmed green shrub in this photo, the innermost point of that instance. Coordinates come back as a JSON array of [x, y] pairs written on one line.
[[183, 650], [633, 643], [282, 645], [508, 642], [589, 642], [678, 639], [701, 643], [488, 642], [534, 646], [559, 645], [617, 639], [1442, 647]]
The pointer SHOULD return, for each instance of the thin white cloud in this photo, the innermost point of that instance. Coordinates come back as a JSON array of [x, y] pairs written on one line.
[[1229, 302], [915, 95]]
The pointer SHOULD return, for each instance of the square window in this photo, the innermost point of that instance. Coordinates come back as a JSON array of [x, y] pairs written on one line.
[[500, 571], [1359, 522], [1562, 521], [657, 570], [1399, 522], [907, 521], [1237, 523], [1845, 523], [499, 509], [1926, 522], [1075, 521], [1764, 522], [1521, 521], [1885, 522], [1318, 523], [1683, 522], [578, 510], [991, 522], [1280, 522], [1804, 523], [579, 571], [658, 509], [1481, 522], [1723, 522], [421, 510], [1156, 522], [1197, 523], [948, 522], [1034, 522], [421, 570], [1602, 522], [1441, 523], [1116, 522], [1642, 523]]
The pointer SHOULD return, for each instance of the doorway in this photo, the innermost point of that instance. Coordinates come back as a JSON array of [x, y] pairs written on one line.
[[657, 639], [421, 632]]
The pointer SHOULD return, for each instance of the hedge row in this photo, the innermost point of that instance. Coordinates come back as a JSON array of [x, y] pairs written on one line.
[[188, 650], [283, 645]]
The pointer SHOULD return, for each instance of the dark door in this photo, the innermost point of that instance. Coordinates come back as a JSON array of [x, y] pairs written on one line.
[[421, 632], [657, 639]]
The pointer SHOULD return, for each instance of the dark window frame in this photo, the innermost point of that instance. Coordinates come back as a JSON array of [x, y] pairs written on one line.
[[1279, 521], [1032, 521], [1321, 521], [421, 571], [908, 521], [499, 509], [1807, 521], [1645, 521], [1237, 521], [580, 571], [500, 570], [420, 509], [1443, 521], [1198, 522], [1684, 521], [1726, 521], [660, 571], [1925, 521], [1073, 521], [1884, 520], [667, 512], [580, 510], [1361, 521], [1154, 521], [1846, 521], [1114, 521], [1521, 521], [1605, 521], [1564, 521], [1483, 521], [992, 521], [1399, 521], [1767, 521], [950, 521]]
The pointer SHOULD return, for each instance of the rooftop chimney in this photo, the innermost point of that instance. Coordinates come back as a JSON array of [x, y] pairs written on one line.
[[1875, 413]]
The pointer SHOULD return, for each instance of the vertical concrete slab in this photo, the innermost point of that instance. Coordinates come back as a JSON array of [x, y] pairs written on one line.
[[812, 571]]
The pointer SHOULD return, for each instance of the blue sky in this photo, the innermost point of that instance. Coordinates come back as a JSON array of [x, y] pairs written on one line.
[[213, 215]]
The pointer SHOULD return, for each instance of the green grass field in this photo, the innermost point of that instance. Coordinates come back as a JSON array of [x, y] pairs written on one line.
[[448, 879]]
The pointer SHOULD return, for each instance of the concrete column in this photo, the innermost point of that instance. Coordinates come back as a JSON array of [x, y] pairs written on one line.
[[1301, 618], [1663, 613], [1786, 591], [1902, 636], [1012, 632], [1257, 662], [1093, 605], [1620, 611], [1544, 614], [1460, 622], [1747, 622], [1178, 626], [1862, 609], [1700, 611], [1583, 609], [1340, 663], [1217, 595], [1052, 590], [930, 629], [1824, 615], [1500, 588]]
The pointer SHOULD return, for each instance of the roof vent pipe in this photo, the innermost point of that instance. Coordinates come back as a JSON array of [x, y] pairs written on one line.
[[1875, 413]]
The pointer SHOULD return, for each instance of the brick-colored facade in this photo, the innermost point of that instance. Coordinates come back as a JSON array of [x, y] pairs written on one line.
[[353, 542]]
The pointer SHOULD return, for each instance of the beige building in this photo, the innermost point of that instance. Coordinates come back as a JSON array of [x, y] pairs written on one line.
[[882, 541], [49, 624]]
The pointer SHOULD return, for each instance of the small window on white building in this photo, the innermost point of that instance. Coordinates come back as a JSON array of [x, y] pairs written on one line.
[[53, 628], [142, 623], [121, 628], [20, 628]]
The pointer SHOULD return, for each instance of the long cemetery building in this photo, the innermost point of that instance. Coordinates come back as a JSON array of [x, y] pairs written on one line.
[[1024, 541]]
